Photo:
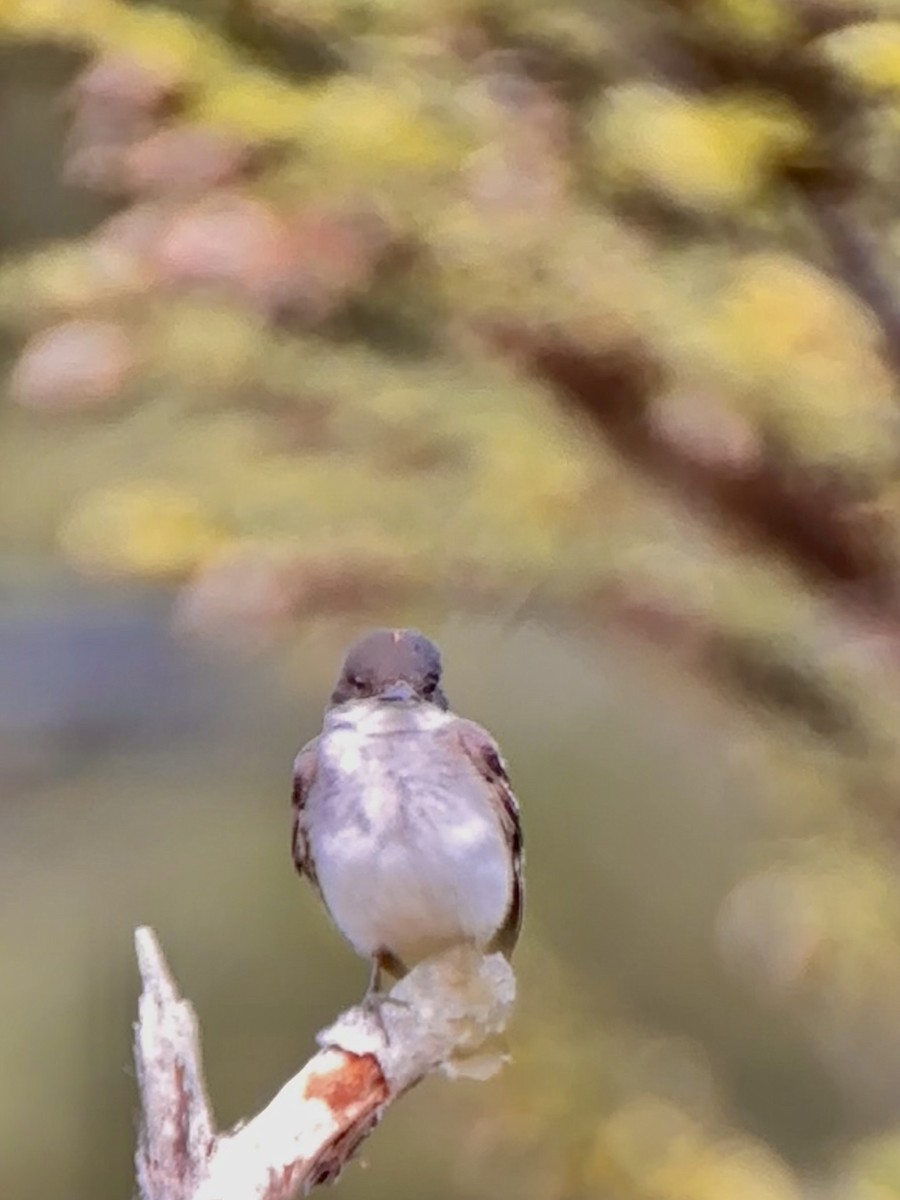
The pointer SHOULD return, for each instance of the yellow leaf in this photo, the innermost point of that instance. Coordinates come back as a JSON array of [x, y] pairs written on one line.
[[66, 20], [253, 104], [869, 53], [367, 122], [148, 529], [779, 311], [806, 357], [760, 22], [707, 153], [166, 41]]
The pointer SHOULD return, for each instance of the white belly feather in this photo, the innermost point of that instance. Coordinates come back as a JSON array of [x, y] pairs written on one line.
[[410, 856]]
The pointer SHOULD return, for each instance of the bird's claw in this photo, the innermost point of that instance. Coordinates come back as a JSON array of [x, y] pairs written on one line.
[[373, 1004]]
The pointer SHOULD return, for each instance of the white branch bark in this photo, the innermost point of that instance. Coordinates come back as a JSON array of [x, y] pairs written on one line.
[[448, 1014]]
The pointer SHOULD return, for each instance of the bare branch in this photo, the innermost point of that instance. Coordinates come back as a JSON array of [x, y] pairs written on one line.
[[177, 1136], [447, 1014]]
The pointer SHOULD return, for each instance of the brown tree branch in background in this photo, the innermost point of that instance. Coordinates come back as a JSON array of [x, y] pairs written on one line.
[[444, 1015], [811, 522]]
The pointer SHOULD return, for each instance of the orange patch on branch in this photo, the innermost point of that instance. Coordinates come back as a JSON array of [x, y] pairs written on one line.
[[357, 1080]]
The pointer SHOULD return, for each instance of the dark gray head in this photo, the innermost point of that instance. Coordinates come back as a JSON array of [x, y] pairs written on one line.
[[393, 665]]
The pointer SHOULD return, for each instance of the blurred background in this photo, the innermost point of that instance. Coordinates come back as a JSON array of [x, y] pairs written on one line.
[[570, 334]]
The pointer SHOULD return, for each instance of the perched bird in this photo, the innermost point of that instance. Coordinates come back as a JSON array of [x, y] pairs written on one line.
[[404, 818]]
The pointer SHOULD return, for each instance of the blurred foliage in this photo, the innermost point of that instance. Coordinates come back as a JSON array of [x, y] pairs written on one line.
[[584, 316]]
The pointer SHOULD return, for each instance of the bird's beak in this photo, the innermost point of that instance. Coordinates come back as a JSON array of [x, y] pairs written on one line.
[[398, 693]]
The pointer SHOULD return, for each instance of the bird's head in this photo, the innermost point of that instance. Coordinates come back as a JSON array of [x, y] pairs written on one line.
[[392, 666]]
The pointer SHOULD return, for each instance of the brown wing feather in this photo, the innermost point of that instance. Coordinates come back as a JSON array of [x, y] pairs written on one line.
[[304, 773], [485, 756]]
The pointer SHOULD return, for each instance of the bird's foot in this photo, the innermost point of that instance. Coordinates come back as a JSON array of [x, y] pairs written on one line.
[[375, 999], [373, 1005]]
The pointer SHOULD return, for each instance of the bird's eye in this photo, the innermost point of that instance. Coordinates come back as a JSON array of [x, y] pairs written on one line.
[[429, 685], [357, 683]]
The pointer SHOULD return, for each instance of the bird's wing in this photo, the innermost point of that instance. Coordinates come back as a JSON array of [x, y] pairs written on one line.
[[484, 754], [304, 773]]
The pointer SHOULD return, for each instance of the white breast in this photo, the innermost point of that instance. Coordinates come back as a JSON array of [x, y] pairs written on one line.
[[409, 853]]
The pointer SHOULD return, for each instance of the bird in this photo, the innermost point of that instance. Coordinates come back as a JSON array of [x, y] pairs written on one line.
[[404, 818]]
